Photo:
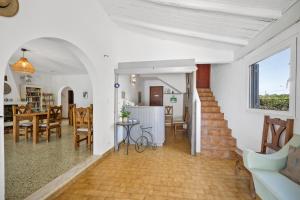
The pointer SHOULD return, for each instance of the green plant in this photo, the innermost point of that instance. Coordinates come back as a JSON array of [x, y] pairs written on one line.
[[124, 112], [274, 102]]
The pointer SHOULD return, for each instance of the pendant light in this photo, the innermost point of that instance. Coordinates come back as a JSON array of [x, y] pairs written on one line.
[[23, 65]]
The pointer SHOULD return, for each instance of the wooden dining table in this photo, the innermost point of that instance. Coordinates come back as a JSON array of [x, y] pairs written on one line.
[[35, 117]]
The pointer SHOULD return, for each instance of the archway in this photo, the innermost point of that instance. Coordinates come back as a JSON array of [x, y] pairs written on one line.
[[65, 97], [58, 86]]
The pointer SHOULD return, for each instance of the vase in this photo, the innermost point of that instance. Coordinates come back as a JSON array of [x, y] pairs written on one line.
[[124, 119]]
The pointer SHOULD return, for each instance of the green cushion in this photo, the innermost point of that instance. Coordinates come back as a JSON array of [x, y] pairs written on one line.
[[280, 186]]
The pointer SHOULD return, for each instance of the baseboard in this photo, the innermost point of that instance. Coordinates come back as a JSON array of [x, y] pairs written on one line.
[[61, 183]]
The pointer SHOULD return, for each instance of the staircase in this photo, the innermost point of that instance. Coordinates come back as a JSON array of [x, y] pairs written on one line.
[[216, 139]]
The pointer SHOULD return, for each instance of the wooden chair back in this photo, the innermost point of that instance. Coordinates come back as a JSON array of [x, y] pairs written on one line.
[[22, 110], [70, 113], [168, 115], [54, 114], [169, 110], [186, 117], [82, 118], [277, 127]]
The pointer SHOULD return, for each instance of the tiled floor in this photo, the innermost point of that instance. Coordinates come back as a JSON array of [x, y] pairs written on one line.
[[28, 167], [166, 173]]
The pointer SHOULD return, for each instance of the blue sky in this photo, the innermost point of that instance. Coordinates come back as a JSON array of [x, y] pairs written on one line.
[[274, 73]]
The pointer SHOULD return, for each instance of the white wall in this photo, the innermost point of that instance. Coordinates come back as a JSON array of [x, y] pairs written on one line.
[[91, 33], [230, 86], [78, 83], [131, 91], [132, 46], [177, 107]]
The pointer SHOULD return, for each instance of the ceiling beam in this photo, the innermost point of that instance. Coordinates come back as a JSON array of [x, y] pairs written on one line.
[[220, 7], [194, 34]]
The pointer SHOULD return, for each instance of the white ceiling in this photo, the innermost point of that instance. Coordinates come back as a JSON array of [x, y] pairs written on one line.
[[230, 24], [51, 56]]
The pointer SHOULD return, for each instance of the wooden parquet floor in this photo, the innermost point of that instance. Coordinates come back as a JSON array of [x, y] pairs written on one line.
[[169, 172]]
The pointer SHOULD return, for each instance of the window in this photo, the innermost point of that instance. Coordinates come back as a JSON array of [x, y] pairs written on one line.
[[270, 81]]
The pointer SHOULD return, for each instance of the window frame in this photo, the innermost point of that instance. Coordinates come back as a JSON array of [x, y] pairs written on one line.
[[266, 52]]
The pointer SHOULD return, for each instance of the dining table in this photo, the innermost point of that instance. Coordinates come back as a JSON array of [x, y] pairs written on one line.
[[35, 117]]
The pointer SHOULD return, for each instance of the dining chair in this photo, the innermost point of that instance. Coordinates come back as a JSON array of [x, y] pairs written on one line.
[[53, 121], [82, 126], [169, 116], [183, 123], [25, 122], [70, 113]]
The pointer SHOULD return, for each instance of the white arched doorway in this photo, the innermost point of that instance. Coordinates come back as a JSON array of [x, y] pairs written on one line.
[[60, 85], [65, 97]]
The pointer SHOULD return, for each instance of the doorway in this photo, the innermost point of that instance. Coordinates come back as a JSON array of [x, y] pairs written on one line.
[[203, 76], [67, 98], [58, 151], [156, 96]]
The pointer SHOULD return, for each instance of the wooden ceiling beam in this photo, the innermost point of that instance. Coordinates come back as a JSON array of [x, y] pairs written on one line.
[[256, 12], [194, 34]]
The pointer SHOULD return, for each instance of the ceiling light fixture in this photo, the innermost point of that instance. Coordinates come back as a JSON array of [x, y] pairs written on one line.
[[23, 65]]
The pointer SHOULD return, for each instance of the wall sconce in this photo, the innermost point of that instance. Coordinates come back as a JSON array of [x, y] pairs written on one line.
[[133, 79]]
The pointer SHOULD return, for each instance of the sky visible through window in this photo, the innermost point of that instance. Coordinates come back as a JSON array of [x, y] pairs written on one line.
[[274, 73]]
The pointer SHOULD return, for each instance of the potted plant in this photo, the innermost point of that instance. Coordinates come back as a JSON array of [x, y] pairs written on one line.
[[124, 114]]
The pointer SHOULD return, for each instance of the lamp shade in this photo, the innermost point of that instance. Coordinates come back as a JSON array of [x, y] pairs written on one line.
[[23, 66]]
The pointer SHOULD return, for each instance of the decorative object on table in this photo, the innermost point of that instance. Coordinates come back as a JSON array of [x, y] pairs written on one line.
[[23, 65], [117, 85], [173, 99], [9, 8], [124, 114]]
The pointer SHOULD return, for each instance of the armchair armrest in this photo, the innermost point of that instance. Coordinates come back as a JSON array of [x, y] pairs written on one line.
[[273, 162]]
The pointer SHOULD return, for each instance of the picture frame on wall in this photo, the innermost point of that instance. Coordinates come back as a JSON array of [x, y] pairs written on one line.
[[85, 95]]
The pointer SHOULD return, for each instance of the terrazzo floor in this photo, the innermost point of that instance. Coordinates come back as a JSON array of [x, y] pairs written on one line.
[[168, 173], [28, 167]]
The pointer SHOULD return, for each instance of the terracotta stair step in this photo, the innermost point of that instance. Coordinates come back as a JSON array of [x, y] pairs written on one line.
[[214, 123], [217, 132], [206, 94], [228, 154], [203, 90], [207, 98], [212, 116], [220, 141], [211, 109], [209, 103]]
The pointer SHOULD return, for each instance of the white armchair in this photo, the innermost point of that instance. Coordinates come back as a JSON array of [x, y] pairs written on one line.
[[269, 183]]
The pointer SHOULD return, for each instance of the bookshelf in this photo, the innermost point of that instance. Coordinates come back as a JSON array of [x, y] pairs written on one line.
[[33, 95], [48, 100]]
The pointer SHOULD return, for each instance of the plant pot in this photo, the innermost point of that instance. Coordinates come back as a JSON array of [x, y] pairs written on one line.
[[124, 119]]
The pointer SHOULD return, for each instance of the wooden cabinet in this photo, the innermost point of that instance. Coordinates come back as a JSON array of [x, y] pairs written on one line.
[[33, 95]]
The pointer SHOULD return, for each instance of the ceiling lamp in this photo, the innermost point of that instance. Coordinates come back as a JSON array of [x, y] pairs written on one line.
[[23, 65]]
